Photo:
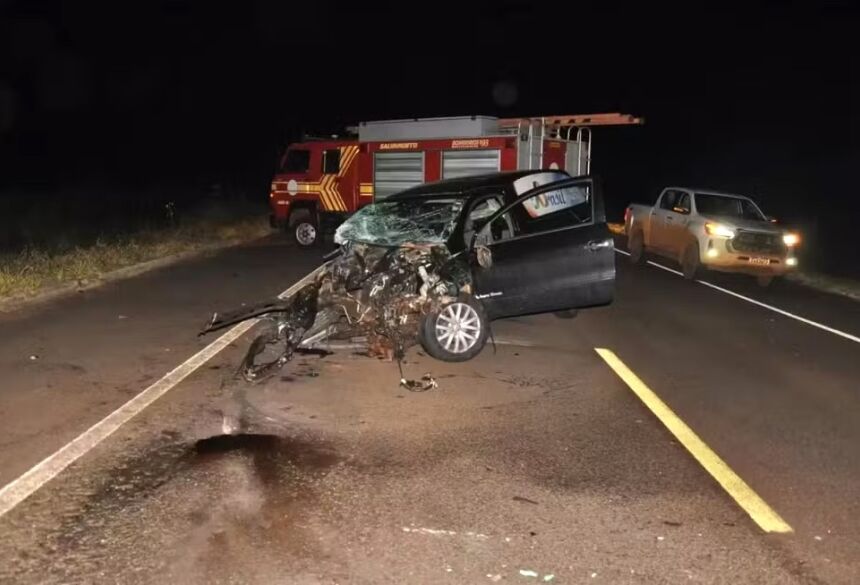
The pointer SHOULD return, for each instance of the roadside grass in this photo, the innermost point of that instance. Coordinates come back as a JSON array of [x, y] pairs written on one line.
[[845, 287], [32, 270]]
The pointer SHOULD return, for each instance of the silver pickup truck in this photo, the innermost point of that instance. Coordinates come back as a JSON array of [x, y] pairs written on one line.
[[718, 231]]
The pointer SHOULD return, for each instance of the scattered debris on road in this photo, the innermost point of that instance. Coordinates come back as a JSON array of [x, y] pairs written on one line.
[[535, 575], [524, 500], [427, 382], [441, 532]]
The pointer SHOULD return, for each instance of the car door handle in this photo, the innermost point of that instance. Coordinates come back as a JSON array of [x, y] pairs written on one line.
[[595, 245], [669, 219]]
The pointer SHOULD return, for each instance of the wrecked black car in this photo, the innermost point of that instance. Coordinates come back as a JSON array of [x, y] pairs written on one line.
[[437, 263]]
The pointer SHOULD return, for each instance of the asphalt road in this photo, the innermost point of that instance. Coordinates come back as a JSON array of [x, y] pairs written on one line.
[[533, 463]]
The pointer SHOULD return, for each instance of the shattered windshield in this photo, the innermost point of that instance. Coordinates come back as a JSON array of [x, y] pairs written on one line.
[[394, 223]]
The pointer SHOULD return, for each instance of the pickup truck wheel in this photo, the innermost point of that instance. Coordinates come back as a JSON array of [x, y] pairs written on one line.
[[304, 228], [764, 280], [690, 262], [456, 332], [636, 247]]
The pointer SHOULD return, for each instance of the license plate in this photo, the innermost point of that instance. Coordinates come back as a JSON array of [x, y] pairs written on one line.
[[760, 261]]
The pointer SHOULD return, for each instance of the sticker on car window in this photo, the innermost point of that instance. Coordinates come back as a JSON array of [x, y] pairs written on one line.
[[551, 201]]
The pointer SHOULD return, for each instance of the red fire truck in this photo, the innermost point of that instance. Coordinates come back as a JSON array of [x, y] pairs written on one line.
[[321, 182]]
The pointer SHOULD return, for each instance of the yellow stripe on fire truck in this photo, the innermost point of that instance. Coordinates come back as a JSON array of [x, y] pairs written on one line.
[[317, 189], [328, 191], [347, 155], [327, 186]]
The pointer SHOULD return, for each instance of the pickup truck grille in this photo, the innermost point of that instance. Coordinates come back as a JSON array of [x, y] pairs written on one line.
[[757, 242]]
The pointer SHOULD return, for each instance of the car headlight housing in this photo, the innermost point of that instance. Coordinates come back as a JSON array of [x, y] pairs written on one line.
[[790, 239], [719, 230]]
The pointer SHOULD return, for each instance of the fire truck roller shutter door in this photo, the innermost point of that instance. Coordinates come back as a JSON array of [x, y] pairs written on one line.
[[466, 163], [396, 171]]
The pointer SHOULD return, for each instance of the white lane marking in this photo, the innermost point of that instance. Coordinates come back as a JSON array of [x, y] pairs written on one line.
[[20, 489], [750, 300], [667, 269], [821, 326]]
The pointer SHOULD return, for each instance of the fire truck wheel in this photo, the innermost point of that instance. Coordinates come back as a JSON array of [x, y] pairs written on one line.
[[456, 332], [304, 228]]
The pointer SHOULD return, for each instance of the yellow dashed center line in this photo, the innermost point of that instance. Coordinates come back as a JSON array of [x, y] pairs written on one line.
[[762, 514]]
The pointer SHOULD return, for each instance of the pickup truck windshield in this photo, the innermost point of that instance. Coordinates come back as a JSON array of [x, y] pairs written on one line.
[[394, 223], [727, 206]]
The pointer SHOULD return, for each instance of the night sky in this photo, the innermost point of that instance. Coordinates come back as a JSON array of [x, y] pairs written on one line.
[[131, 94]]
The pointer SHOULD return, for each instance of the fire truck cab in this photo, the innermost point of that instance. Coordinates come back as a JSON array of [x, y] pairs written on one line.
[[320, 182]]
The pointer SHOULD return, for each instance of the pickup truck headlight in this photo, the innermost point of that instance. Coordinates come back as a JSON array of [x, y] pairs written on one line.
[[790, 239], [719, 230]]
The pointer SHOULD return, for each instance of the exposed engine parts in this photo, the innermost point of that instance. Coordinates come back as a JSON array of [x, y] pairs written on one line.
[[381, 294]]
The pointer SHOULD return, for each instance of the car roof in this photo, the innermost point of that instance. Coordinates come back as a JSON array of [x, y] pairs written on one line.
[[465, 186]]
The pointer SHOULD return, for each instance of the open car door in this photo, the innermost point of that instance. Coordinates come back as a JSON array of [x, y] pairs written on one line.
[[560, 255]]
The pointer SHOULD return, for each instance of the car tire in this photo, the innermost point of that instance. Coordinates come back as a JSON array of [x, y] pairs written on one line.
[[636, 247], [690, 262], [461, 343], [304, 228], [764, 280]]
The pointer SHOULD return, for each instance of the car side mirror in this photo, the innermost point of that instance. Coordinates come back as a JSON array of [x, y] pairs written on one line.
[[682, 210]]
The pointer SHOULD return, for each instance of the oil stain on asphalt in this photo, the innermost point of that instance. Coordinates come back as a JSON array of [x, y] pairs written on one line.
[[250, 489]]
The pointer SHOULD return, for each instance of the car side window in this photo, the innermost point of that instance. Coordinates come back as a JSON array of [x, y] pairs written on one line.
[[669, 199], [683, 204], [501, 229], [555, 210]]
